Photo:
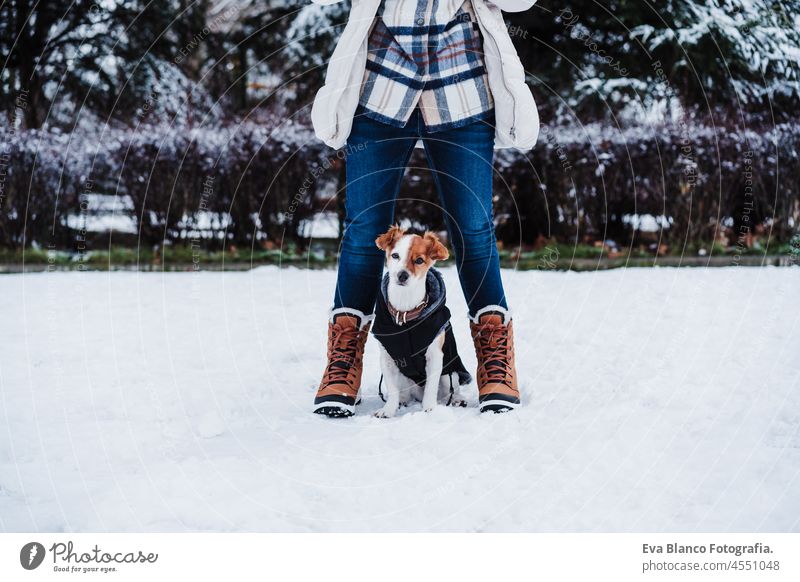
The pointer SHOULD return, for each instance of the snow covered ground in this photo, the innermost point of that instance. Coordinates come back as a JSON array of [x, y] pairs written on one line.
[[655, 400]]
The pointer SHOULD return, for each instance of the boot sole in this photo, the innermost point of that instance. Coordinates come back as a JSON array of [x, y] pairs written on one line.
[[334, 410], [498, 406]]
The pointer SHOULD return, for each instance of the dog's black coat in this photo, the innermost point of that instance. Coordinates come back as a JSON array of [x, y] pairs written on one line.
[[407, 343]]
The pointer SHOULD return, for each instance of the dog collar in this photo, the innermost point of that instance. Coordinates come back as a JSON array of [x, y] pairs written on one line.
[[401, 317]]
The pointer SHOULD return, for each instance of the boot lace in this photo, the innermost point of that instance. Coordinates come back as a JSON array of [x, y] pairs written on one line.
[[343, 354], [493, 344]]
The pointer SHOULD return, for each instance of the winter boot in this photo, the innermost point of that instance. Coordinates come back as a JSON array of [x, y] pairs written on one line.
[[494, 347], [338, 392]]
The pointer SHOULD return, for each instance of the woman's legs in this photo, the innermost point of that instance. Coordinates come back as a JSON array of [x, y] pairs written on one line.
[[377, 155], [461, 161], [376, 160]]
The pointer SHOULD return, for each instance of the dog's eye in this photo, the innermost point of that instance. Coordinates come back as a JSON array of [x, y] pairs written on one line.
[[395, 256], [419, 260]]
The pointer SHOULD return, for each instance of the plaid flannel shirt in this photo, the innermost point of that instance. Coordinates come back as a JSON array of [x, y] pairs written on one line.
[[426, 53]]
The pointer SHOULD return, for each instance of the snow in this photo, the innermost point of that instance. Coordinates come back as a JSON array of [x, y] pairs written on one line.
[[646, 222], [654, 400], [751, 33], [322, 225]]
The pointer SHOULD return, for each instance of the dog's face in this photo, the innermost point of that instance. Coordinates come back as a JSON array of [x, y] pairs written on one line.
[[409, 256]]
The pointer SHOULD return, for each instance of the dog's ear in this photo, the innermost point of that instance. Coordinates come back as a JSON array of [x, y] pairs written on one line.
[[388, 238], [436, 250]]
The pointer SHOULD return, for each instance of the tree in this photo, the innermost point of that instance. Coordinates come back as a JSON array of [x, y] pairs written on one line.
[[110, 58], [598, 59]]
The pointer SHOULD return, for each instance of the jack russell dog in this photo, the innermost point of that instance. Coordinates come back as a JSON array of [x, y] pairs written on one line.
[[419, 358]]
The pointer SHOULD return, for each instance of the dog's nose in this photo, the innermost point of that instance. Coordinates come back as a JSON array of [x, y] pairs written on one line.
[[402, 276]]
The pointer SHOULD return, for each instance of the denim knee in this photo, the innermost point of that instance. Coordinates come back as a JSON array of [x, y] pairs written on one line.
[[475, 243], [359, 239]]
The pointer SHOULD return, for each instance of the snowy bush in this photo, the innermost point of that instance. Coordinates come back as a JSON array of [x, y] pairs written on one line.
[[253, 182], [240, 183], [698, 185], [709, 185]]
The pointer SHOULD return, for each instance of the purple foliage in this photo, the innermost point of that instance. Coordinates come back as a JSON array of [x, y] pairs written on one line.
[[251, 182]]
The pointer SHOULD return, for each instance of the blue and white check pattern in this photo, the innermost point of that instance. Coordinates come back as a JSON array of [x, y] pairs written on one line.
[[426, 53]]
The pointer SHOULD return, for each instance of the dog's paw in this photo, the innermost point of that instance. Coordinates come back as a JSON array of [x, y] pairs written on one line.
[[428, 408], [458, 403], [385, 413]]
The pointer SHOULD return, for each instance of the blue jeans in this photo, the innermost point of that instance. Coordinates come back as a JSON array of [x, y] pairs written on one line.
[[461, 163]]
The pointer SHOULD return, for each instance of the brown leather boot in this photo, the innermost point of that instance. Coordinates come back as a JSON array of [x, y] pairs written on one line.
[[494, 345], [347, 333]]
